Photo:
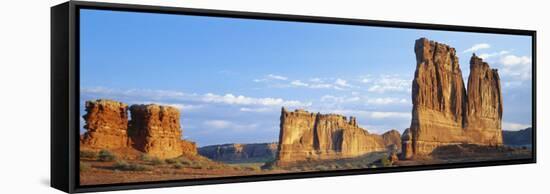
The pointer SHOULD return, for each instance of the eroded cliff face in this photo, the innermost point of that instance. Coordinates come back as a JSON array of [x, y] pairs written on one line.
[[443, 112], [484, 108], [314, 136], [106, 124], [438, 96], [256, 152], [156, 130]]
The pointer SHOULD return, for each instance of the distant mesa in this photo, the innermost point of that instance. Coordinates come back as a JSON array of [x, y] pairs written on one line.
[[241, 153], [444, 111], [518, 138], [315, 136], [153, 129]]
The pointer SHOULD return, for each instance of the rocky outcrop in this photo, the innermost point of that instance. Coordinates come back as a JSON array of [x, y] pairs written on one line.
[[156, 131], [106, 124], [392, 140], [257, 152], [484, 107], [314, 136], [188, 147], [443, 112]]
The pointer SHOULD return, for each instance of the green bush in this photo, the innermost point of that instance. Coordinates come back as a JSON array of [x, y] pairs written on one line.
[[385, 162], [145, 157], [106, 156], [178, 166], [88, 154], [156, 161], [84, 167], [172, 161], [125, 166]]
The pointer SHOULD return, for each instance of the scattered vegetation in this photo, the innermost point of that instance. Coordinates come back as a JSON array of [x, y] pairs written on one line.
[[106, 156], [88, 154], [125, 166], [84, 167], [177, 166], [385, 161]]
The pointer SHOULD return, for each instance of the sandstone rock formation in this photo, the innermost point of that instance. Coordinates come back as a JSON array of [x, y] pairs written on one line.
[[156, 130], [484, 107], [256, 152], [314, 136], [188, 147], [443, 112], [106, 124], [392, 140]]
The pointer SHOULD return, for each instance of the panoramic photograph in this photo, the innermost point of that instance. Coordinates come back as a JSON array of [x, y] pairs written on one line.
[[180, 97]]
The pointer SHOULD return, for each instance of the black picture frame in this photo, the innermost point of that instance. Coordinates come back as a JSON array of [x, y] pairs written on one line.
[[65, 93]]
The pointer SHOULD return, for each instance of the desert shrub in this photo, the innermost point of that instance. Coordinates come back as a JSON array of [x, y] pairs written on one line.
[[88, 154], [177, 166], [172, 161], [251, 168], [125, 166], [385, 162], [106, 156], [156, 161], [185, 161], [84, 167], [145, 157], [321, 167]]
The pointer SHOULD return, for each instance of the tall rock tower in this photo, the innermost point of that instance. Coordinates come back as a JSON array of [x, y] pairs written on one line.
[[444, 113]]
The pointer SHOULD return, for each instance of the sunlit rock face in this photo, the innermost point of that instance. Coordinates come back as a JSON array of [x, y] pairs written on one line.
[[156, 131], [444, 112], [106, 124], [314, 136]]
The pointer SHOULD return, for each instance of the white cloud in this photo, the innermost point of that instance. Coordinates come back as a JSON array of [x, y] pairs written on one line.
[[181, 106], [374, 114], [515, 60], [299, 83], [486, 56], [224, 124], [477, 47], [390, 83], [257, 110], [514, 126], [386, 101], [175, 98], [516, 67], [342, 83], [277, 77], [271, 77], [243, 100], [339, 99], [316, 80], [218, 124]]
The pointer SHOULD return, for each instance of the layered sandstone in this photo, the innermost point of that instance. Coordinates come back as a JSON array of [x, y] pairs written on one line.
[[484, 108], [156, 131], [256, 152], [392, 140], [443, 112], [106, 124], [188, 147], [314, 136], [438, 96]]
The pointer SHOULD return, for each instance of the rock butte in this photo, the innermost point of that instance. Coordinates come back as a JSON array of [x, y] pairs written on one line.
[[153, 129], [443, 112], [106, 124], [314, 136]]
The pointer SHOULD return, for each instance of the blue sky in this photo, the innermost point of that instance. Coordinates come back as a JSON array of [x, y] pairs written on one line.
[[230, 77]]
